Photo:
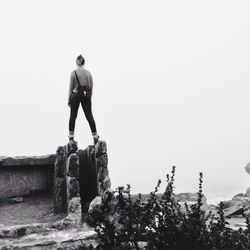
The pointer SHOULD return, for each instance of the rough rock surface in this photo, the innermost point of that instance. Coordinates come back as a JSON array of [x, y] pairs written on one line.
[[236, 209], [52, 239], [60, 199], [87, 170], [27, 160], [238, 205], [71, 147], [25, 175], [242, 201], [247, 211], [70, 166], [21, 230], [94, 175], [239, 195], [247, 168], [189, 197], [103, 180], [95, 203], [74, 208], [247, 194]]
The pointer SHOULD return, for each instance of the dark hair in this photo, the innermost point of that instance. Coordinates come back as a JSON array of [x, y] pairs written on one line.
[[80, 60]]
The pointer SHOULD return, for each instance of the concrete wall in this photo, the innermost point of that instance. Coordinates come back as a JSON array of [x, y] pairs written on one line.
[[22, 176], [19, 181]]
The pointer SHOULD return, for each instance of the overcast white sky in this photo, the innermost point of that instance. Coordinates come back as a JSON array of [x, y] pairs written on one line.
[[171, 86]]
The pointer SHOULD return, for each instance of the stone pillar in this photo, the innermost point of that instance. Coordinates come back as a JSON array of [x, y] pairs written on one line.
[[80, 176], [60, 204], [101, 163], [60, 187], [99, 159], [74, 209]]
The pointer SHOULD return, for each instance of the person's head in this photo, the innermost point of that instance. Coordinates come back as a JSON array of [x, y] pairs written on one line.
[[80, 61]]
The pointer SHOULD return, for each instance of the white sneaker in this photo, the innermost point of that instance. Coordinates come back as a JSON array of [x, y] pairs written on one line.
[[96, 138], [71, 138]]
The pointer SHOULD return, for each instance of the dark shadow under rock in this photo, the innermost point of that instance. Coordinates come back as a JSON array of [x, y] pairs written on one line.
[[88, 179]]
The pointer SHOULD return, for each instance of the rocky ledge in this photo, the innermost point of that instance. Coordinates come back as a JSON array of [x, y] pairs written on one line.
[[52, 239], [27, 160], [239, 205]]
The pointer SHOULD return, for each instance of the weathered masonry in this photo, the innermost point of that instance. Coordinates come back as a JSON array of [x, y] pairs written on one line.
[[79, 177], [73, 177], [21, 176], [45, 201]]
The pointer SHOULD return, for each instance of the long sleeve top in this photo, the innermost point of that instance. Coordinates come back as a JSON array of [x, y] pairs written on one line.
[[85, 79]]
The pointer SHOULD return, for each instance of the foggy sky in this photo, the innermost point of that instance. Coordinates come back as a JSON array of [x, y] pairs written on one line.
[[171, 86]]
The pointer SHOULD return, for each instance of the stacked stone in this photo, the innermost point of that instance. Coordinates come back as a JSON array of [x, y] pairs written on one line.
[[81, 178], [74, 208], [63, 169], [60, 199], [99, 158], [101, 162]]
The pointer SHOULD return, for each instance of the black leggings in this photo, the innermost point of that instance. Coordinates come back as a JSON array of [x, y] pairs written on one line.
[[86, 106]]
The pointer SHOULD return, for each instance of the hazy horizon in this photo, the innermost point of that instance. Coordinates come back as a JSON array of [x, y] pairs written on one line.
[[171, 86]]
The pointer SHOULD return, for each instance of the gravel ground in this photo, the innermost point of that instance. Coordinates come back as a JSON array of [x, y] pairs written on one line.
[[36, 209]]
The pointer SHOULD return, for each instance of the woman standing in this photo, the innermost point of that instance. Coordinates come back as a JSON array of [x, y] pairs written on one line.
[[80, 91]]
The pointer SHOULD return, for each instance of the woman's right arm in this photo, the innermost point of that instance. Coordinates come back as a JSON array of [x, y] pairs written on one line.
[[90, 80], [71, 84]]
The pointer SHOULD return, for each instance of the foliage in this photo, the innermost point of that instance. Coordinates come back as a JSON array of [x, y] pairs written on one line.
[[161, 223]]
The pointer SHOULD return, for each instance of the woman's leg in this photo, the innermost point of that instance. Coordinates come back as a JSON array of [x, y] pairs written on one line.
[[86, 106], [73, 115]]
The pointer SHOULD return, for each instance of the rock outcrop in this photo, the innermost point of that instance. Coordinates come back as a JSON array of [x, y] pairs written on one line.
[[60, 198], [80, 176], [43, 237], [103, 180], [247, 194], [102, 174], [74, 207], [238, 205], [247, 168], [189, 197]]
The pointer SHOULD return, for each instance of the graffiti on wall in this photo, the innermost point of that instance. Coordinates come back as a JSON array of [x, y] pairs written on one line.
[[16, 181]]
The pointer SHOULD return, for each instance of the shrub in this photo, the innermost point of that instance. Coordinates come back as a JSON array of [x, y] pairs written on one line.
[[126, 222]]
